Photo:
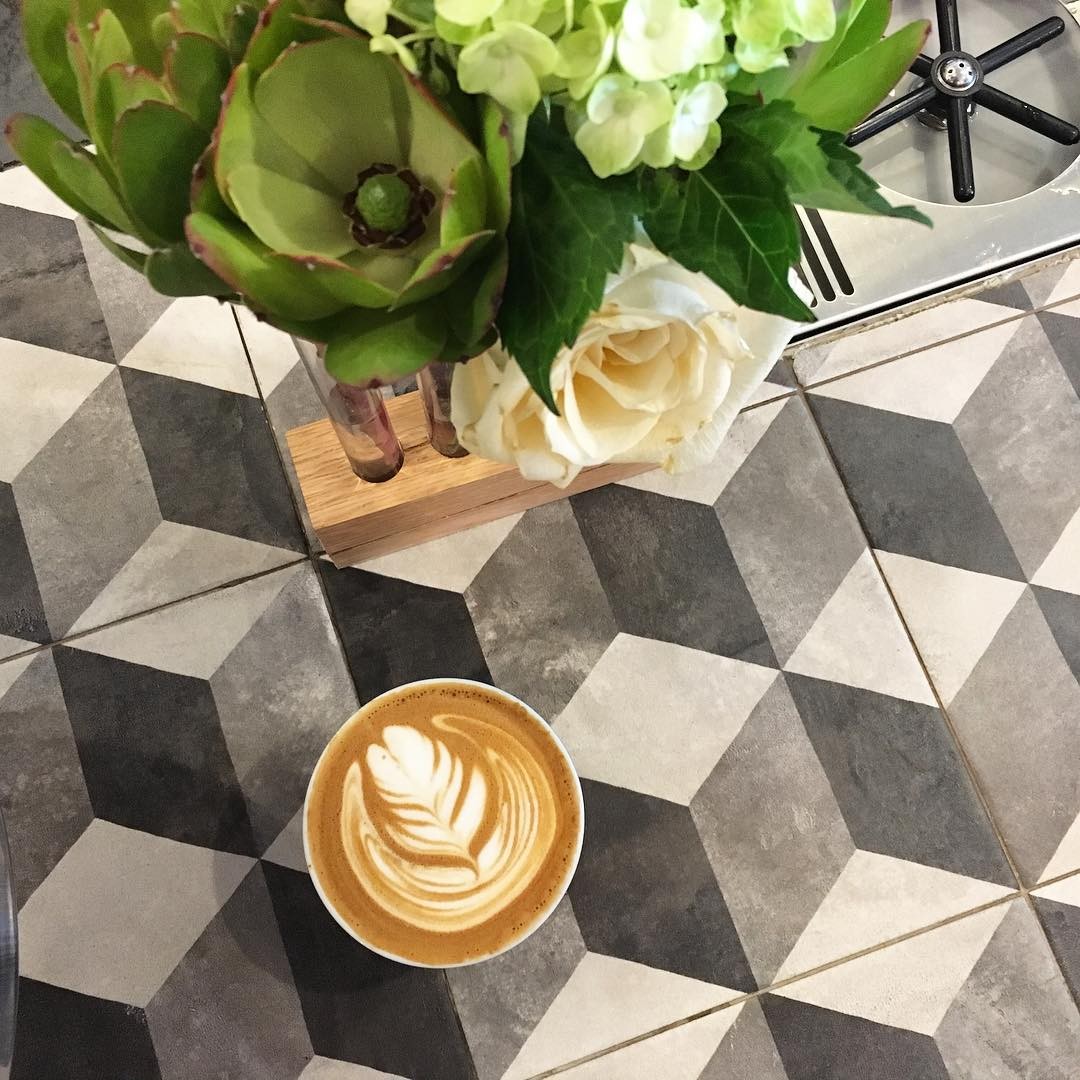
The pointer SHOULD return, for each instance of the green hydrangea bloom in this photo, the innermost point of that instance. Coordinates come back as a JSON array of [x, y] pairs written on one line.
[[507, 63]]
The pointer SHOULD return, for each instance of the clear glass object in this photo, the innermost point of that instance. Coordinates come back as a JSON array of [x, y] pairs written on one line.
[[359, 417], [434, 383]]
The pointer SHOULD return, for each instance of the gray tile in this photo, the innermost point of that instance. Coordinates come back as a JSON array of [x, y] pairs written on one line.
[[81, 532], [540, 611], [501, 1002], [280, 695], [748, 1051], [669, 573], [898, 779], [1021, 432], [792, 561], [1014, 1016], [46, 295], [1062, 923], [1017, 719], [772, 831], [129, 306], [42, 792], [816, 1043], [229, 1008], [914, 488]]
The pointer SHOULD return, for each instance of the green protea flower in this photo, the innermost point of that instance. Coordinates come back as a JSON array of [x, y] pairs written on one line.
[[349, 207], [143, 79]]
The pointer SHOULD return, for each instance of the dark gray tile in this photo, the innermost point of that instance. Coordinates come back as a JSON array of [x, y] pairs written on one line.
[[644, 890], [1061, 610], [914, 488], [212, 459], [21, 612], [898, 779], [540, 612], [1010, 295], [359, 1006], [819, 1044], [229, 1009], [1062, 923], [152, 751], [395, 631], [62, 1035], [669, 574], [46, 296]]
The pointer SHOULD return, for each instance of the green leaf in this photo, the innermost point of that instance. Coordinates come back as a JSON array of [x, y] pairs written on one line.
[[848, 177], [819, 170], [122, 87], [44, 24], [242, 23], [174, 271], [812, 59], [865, 28], [349, 284], [205, 196], [370, 348], [81, 172], [33, 140], [733, 221], [155, 149], [280, 25], [198, 71], [472, 302], [442, 267], [498, 150], [568, 231], [844, 95], [135, 259], [464, 208], [271, 285]]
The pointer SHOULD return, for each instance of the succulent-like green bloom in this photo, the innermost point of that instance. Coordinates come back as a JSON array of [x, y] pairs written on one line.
[[144, 82], [350, 207]]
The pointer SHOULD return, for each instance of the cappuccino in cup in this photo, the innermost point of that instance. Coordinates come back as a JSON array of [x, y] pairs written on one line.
[[443, 823]]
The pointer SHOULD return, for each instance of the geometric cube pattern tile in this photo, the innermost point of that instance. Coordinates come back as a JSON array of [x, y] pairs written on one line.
[[964, 469], [788, 871], [101, 378]]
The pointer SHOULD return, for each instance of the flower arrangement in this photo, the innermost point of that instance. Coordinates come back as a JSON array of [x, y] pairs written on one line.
[[588, 203]]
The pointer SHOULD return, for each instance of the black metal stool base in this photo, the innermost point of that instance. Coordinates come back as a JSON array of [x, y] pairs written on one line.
[[954, 80]]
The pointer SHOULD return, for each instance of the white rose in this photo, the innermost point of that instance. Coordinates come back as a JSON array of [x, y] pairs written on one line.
[[658, 374]]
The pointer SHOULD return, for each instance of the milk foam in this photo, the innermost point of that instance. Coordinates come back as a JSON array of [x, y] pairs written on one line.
[[446, 822]]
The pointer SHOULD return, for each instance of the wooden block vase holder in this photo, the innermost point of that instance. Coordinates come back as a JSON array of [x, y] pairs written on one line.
[[431, 496]]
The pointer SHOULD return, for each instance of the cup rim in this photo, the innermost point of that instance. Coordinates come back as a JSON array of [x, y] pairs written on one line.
[[556, 898]]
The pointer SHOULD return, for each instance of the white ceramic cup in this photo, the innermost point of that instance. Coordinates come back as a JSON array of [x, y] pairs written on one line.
[[544, 914]]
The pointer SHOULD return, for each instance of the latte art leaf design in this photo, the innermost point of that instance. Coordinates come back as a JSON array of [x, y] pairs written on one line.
[[438, 809], [446, 826]]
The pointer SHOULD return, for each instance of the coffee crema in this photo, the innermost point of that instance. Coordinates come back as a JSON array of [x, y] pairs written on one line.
[[443, 823]]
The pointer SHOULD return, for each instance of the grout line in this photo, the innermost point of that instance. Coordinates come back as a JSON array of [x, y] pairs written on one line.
[[966, 761], [297, 513], [202, 593], [1054, 880], [930, 345], [742, 999]]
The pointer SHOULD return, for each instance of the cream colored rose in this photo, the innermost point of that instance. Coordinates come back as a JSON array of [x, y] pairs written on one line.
[[658, 374]]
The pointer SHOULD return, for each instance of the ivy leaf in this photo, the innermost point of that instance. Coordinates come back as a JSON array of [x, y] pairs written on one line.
[[819, 169], [846, 171], [568, 231], [732, 220]]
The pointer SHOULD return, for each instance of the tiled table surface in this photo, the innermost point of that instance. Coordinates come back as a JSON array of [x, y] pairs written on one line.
[[804, 859]]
